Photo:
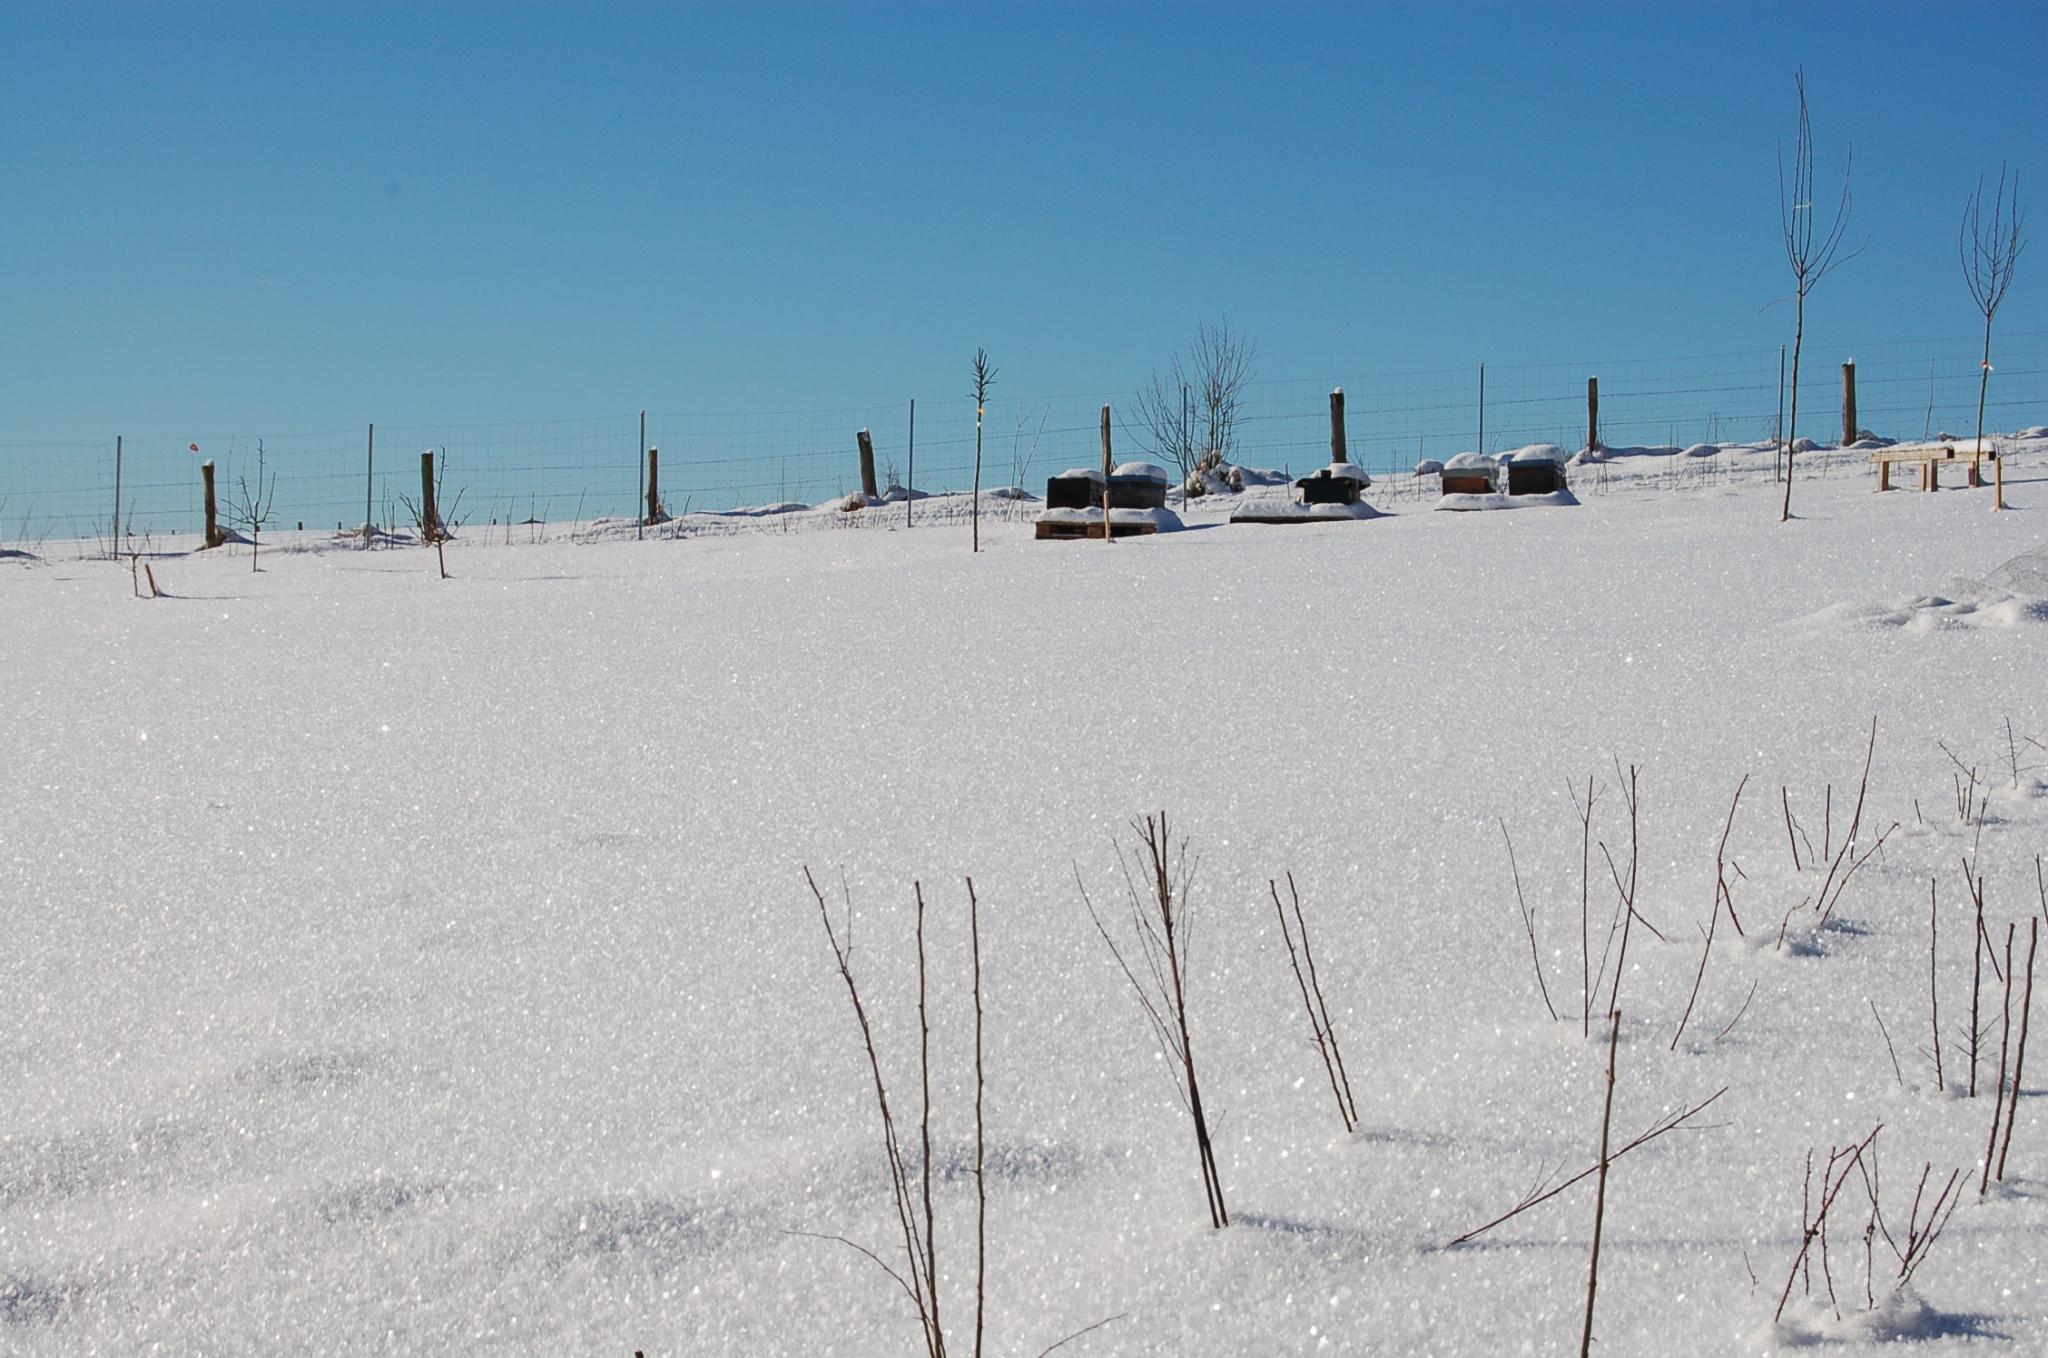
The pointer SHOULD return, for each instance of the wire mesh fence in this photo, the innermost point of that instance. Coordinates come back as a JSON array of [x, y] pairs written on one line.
[[577, 470]]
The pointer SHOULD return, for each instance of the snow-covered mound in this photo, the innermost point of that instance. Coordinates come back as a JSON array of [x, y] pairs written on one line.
[[1961, 604]]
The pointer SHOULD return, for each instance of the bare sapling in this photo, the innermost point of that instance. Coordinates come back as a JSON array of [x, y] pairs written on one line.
[[2004, 1052], [984, 378], [1813, 255], [1722, 897], [1600, 1189], [251, 507], [2019, 1065], [1314, 1003], [1528, 923], [1990, 252], [1156, 963], [1545, 1191], [911, 1187]]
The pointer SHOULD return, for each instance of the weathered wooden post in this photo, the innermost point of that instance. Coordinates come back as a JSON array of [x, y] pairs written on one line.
[[654, 511], [430, 513], [370, 488], [1998, 481], [867, 467], [1593, 412], [1849, 430], [1338, 449], [214, 537], [1106, 464]]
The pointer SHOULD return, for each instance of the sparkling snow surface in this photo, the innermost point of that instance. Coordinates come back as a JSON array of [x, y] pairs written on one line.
[[423, 967]]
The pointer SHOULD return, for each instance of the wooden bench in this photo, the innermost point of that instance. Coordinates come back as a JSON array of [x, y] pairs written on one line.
[[1930, 460]]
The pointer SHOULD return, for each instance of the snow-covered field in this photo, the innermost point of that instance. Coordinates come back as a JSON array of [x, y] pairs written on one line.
[[404, 965]]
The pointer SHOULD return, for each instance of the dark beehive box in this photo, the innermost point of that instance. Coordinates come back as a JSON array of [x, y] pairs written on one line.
[[1075, 492], [1136, 492], [1534, 478], [1325, 489]]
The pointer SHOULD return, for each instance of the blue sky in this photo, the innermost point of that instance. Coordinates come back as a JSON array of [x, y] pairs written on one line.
[[306, 217]]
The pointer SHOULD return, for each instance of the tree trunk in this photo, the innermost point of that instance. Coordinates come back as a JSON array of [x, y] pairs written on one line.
[[1792, 425], [1983, 384]]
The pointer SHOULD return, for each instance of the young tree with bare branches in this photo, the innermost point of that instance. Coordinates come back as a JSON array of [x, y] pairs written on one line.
[[984, 378], [251, 507], [1812, 254], [1989, 252], [1190, 414]]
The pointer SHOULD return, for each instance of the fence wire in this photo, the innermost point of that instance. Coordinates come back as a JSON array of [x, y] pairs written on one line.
[[577, 470]]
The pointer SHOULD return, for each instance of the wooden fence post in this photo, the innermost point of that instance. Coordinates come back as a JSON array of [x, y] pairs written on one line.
[[430, 513], [1339, 452], [1107, 536], [1593, 412], [1849, 430], [867, 468], [655, 513], [213, 533]]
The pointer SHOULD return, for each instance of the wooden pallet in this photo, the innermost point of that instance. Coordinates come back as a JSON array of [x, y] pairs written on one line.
[[1047, 530]]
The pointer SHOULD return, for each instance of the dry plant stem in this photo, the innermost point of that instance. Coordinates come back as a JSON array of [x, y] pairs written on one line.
[[906, 1215], [1976, 986], [1888, 1044], [1628, 893], [1086, 1329], [1315, 982], [1720, 895], [1671, 1123], [2019, 1065], [1600, 1189], [1998, 1090], [1727, 895], [924, 1127], [1301, 981], [1312, 1004], [1738, 1013], [1785, 799], [980, 1156], [1920, 1236], [1812, 1227], [2041, 886], [1585, 892], [1156, 846], [1160, 941], [1827, 908], [1934, 991], [1528, 924], [1855, 820]]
